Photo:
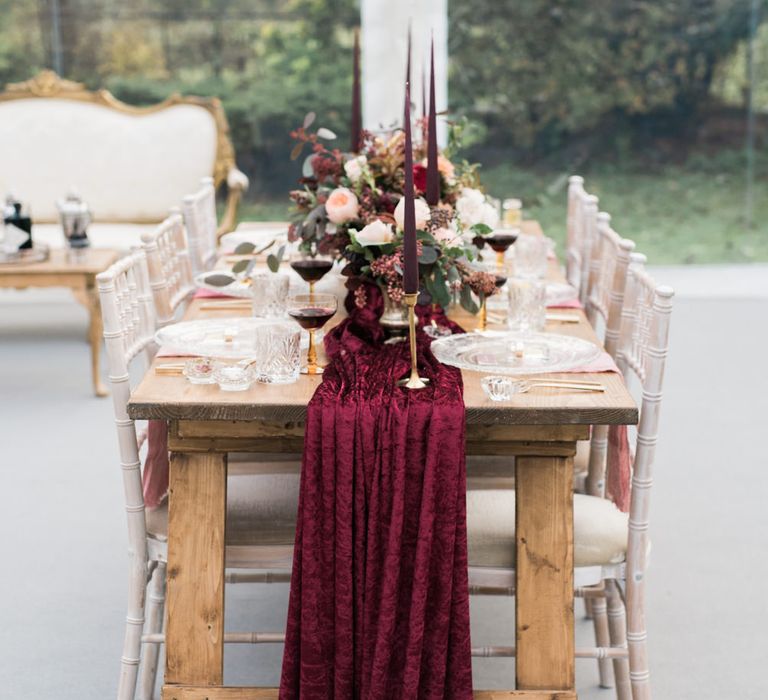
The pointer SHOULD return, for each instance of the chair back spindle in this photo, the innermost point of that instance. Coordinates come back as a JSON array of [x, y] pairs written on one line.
[[199, 211], [170, 269]]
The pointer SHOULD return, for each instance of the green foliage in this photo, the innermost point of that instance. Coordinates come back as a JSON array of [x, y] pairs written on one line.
[[533, 71], [692, 212]]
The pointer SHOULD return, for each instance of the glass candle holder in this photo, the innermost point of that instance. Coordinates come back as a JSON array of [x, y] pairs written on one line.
[[511, 212], [233, 377], [199, 370]]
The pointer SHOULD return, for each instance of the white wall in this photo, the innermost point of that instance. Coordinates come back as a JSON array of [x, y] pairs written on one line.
[[384, 39]]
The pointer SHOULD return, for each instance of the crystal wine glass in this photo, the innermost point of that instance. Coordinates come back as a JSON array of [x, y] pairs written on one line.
[[312, 311], [500, 241], [311, 267], [501, 273]]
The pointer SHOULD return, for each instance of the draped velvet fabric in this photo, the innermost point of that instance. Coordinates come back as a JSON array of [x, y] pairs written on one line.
[[379, 607]]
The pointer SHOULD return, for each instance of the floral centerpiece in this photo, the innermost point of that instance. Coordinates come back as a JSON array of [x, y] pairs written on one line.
[[351, 205]]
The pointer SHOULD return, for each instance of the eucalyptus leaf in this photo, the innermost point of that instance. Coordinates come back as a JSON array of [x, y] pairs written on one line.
[[467, 302], [481, 229], [240, 266], [453, 274], [439, 289], [309, 119], [273, 263], [428, 255], [219, 279], [306, 168], [245, 248], [324, 133]]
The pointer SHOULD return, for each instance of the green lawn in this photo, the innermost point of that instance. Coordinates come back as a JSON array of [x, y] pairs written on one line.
[[691, 213]]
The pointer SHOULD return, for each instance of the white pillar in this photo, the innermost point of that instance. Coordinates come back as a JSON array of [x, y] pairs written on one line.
[[384, 41]]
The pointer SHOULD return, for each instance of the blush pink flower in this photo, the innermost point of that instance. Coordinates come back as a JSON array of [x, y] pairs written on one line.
[[341, 206]]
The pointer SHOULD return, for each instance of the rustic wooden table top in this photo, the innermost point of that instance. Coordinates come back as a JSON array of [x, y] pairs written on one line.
[[173, 398], [88, 261]]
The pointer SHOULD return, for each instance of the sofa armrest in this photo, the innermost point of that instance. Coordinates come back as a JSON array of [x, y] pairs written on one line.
[[237, 183]]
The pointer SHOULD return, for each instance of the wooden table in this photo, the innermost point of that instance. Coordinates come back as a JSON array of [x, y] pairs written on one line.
[[76, 270], [540, 428]]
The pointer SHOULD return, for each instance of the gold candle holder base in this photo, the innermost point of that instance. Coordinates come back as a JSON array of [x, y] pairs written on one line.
[[413, 381]]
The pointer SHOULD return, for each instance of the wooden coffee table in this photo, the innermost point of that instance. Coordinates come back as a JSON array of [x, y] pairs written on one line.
[[77, 271]]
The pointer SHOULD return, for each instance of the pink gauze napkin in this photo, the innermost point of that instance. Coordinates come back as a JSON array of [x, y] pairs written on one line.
[[569, 304], [619, 458], [155, 476], [618, 467], [204, 293]]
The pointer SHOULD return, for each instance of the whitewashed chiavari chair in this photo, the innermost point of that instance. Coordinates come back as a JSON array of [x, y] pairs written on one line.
[[609, 547], [199, 211], [261, 506], [609, 260], [581, 227], [170, 269]]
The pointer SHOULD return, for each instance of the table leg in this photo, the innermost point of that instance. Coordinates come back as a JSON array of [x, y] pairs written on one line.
[[89, 298], [544, 573], [194, 637]]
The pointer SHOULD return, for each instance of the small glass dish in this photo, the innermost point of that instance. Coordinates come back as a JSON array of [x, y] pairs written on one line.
[[434, 331], [199, 370], [499, 388], [233, 377]]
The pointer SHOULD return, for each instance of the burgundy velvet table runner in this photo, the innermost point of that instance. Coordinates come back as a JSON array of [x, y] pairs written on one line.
[[379, 606]]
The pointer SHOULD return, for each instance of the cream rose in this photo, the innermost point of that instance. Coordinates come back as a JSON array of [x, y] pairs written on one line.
[[355, 167], [341, 206], [446, 234], [375, 233], [473, 208], [421, 208]]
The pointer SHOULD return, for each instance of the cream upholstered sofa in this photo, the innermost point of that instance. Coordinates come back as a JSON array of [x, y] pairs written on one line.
[[130, 164]]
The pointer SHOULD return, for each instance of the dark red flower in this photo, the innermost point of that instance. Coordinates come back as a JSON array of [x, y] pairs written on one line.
[[420, 177]]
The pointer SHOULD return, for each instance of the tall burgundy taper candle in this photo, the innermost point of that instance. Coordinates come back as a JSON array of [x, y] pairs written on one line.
[[355, 126], [433, 176], [410, 261], [408, 62]]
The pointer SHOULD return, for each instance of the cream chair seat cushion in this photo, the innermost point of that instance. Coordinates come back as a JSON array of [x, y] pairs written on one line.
[[101, 235], [261, 506], [600, 529]]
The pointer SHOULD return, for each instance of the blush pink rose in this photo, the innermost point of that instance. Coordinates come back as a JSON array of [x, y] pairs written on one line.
[[341, 206]]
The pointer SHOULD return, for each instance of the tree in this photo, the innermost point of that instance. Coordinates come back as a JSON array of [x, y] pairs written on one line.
[[538, 69]]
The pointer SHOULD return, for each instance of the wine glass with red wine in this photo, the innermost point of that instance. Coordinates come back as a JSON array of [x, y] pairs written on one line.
[[312, 311], [500, 241], [311, 268]]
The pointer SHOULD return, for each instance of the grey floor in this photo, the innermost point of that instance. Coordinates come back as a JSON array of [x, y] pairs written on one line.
[[63, 535]]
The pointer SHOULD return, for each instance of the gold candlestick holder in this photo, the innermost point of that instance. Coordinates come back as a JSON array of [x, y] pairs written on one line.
[[483, 321], [414, 381]]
